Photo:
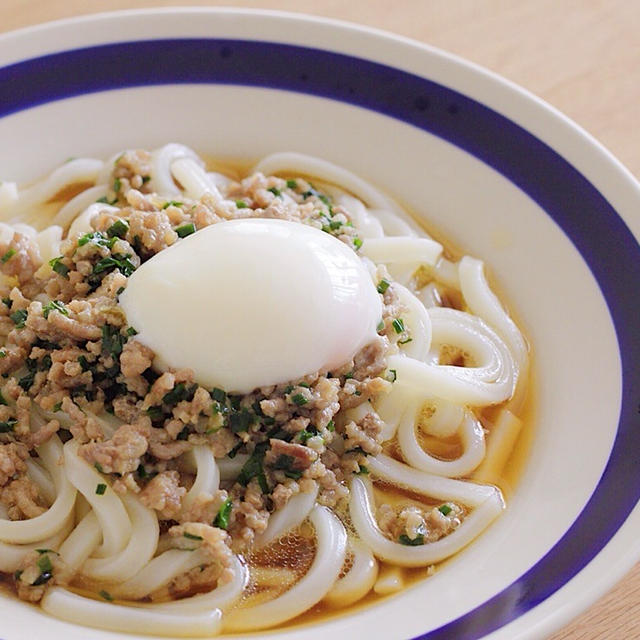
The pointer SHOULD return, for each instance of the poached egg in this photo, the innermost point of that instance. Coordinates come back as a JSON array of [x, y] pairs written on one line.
[[251, 303]]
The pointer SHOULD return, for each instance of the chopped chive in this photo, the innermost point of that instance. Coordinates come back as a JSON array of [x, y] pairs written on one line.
[[331, 425], [106, 595], [363, 470], [405, 341], [299, 399], [96, 237], [186, 229], [241, 204], [19, 317], [98, 467], [131, 331], [2, 399], [44, 563], [54, 305], [7, 256], [444, 509], [383, 285], [292, 184], [191, 536], [118, 229], [6, 427], [357, 242], [145, 179], [411, 542], [3, 354], [276, 192], [101, 488], [392, 376], [116, 185], [222, 519], [398, 325], [380, 326], [171, 203], [57, 407], [218, 394], [57, 265]]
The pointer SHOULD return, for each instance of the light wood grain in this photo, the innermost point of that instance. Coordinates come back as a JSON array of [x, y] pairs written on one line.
[[582, 56]]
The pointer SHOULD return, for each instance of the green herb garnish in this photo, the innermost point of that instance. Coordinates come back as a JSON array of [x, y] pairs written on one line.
[[411, 542], [186, 229], [101, 488], [398, 325], [299, 399], [19, 317], [7, 256], [222, 519], [383, 285], [118, 229], [191, 536], [54, 305], [57, 265]]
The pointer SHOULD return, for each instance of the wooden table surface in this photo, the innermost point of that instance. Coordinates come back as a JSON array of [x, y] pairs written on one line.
[[581, 56]]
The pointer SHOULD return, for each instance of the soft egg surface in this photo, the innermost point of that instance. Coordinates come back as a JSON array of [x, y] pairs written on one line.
[[250, 303]]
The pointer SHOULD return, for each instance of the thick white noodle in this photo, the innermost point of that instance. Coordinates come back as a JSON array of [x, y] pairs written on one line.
[[230, 467], [326, 566], [80, 544], [70, 211], [48, 241], [391, 408], [140, 549], [362, 510], [402, 250], [207, 475], [78, 170], [221, 597], [467, 493], [112, 516], [194, 179], [8, 196], [430, 296], [12, 555], [162, 160], [444, 420], [490, 382], [360, 578], [43, 479], [130, 619], [485, 304], [52, 520], [287, 518], [471, 434], [329, 172], [417, 321], [394, 224], [158, 573], [368, 226], [82, 224]]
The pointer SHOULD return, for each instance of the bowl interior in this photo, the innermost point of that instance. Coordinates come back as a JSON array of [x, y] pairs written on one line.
[[542, 271]]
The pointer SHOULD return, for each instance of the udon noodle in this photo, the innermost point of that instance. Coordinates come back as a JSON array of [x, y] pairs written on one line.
[[139, 501]]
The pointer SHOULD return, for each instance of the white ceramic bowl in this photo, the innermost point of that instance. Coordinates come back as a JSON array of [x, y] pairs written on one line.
[[500, 173]]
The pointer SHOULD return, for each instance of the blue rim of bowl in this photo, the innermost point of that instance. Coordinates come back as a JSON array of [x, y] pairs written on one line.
[[586, 217]]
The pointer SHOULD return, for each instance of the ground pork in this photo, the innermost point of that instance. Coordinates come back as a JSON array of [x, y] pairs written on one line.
[[22, 499], [213, 544], [12, 461], [121, 454], [420, 524], [164, 494], [135, 359]]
